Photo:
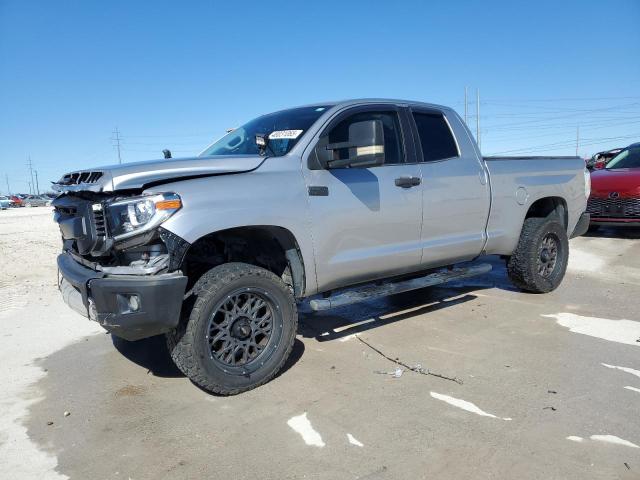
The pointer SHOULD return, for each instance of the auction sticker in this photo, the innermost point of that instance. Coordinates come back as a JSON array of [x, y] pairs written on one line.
[[284, 134]]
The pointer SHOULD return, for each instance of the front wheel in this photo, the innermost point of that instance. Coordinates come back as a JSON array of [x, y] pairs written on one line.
[[540, 260], [239, 332]]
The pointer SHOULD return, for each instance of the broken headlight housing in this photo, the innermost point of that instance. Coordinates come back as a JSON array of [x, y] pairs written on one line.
[[132, 216]]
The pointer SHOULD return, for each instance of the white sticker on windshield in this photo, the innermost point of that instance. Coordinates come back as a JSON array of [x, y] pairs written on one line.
[[284, 134]]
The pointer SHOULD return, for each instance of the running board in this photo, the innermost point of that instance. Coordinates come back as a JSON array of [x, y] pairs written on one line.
[[374, 291]]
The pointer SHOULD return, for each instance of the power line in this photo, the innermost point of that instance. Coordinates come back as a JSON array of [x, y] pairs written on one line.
[[570, 115], [568, 143], [565, 99], [154, 150], [539, 131], [207, 134], [163, 143], [555, 126], [37, 183]]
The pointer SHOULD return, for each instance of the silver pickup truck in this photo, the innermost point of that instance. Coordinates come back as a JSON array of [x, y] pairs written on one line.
[[335, 202]]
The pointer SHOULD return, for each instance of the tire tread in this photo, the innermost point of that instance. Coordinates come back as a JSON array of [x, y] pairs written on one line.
[[521, 264], [180, 341]]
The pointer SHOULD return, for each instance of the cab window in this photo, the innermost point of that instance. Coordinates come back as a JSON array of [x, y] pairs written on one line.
[[436, 139]]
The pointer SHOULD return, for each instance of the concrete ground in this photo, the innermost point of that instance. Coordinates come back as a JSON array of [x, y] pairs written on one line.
[[550, 383]]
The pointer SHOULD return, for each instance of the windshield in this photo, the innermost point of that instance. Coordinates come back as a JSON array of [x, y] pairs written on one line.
[[283, 128], [628, 158]]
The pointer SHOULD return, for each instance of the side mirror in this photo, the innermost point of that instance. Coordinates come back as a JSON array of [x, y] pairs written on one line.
[[365, 147]]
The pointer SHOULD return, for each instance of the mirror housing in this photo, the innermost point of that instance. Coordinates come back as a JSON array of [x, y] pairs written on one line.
[[365, 146]]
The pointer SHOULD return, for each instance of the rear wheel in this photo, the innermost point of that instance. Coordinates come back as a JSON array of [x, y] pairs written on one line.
[[540, 260], [239, 332]]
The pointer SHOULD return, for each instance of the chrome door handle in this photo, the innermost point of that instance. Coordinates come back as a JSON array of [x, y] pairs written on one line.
[[407, 182]]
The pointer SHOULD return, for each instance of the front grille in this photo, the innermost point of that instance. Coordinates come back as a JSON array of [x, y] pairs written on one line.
[[82, 224], [76, 178], [614, 207], [100, 223]]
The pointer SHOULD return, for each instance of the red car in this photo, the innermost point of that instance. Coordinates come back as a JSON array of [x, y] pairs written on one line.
[[615, 190], [17, 201]]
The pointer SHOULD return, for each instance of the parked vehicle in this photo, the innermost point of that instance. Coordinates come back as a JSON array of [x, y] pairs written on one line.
[[16, 201], [306, 203], [5, 202], [36, 201], [615, 191], [600, 159]]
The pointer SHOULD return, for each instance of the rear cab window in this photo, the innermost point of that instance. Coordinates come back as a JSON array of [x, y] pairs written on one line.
[[435, 136]]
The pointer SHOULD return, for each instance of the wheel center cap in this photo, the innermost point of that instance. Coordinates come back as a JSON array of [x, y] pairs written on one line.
[[544, 255], [241, 328]]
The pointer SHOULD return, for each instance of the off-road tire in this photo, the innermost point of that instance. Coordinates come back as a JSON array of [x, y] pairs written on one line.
[[188, 345], [522, 266]]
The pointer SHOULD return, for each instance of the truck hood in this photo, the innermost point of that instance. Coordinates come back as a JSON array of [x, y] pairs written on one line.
[[624, 181], [153, 172]]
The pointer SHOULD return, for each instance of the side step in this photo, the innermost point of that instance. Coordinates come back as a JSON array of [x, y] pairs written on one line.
[[374, 291]]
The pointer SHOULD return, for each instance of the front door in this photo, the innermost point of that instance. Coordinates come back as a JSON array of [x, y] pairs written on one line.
[[366, 222]]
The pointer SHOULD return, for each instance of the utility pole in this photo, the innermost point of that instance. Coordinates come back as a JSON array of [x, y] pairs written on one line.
[[30, 174], [37, 184], [577, 139], [466, 105], [478, 117], [6, 177], [117, 140]]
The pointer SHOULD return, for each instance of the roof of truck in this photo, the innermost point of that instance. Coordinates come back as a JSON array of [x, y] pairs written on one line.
[[359, 101]]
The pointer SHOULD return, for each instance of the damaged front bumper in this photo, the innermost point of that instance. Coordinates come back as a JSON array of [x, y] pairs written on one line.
[[129, 306]]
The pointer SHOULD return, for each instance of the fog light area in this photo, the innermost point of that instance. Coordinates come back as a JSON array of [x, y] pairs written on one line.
[[128, 303]]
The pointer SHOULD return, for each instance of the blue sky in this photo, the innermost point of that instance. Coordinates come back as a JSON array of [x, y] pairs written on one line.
[[177, 74]]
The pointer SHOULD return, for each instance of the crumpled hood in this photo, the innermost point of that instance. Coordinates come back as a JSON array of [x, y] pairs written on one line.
[[624, 181], [142, 174]]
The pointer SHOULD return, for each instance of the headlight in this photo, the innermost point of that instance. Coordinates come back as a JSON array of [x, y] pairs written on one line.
[[132, 216], [587, 183]]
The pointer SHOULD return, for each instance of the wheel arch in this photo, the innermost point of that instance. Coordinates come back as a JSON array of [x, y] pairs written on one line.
[[272, 247], [545, 207]]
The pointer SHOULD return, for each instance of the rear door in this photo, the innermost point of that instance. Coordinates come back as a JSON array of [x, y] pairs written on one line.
[[366, 222], [456, 195]]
